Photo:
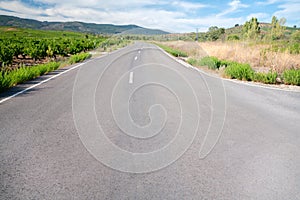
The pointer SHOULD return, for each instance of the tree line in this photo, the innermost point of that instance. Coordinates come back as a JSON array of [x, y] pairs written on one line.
[[251, 30]]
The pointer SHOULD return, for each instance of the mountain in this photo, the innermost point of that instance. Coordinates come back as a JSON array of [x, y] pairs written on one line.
[[143, 31], [77, 26]]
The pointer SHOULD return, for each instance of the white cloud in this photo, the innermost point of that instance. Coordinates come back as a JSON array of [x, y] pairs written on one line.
[[150, 18], [289, 11], [268, 2], [168, 15], [111, 5], [262, 17], [235, 5], [188, 5], [19, 7], [204, 23]]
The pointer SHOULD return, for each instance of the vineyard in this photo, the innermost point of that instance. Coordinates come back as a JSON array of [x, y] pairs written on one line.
[[18, 46], [26, 54]]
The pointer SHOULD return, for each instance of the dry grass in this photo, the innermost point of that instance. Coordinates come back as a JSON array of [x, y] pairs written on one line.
[[256, 55], [191, 48]]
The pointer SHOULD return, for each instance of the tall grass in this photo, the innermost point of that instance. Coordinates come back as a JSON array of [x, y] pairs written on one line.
[[13, 77], [239, 71], [259, 56], [265, 64], [20, 75], [267, 78], [210, 62], [79, 57], [292, 77]]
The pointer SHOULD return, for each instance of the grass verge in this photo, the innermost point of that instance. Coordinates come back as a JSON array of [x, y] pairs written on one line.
[[22, 74], [79, 58], [26, 73], [174, 52], [242, 71]]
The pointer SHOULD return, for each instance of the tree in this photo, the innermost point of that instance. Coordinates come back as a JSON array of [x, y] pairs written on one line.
[[277, 28], [251, 29], [214, 33]]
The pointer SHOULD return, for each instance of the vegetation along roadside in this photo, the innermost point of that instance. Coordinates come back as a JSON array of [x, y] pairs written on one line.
[[26, 54], [268, 53]]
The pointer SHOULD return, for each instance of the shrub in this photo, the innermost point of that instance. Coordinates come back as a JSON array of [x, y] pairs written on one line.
[[192, 61], [291, 76], [268, 78], [239, 71], [296, 36], [294, 48], [226, 63], [79, 57], [210, 62], [233, 37]]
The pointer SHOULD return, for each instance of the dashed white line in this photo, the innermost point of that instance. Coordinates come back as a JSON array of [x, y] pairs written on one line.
[[130, 77], [135, 58], [139, 51]]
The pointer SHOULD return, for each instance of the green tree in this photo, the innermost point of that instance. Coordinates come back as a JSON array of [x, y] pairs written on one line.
[[251, 29], [214, 33], [277, 28]]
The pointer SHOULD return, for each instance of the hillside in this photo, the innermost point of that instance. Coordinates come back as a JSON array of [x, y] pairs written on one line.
[[76, 26], [143, 31], [264, 28]]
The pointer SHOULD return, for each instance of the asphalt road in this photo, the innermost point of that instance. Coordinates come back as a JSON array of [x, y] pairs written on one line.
[[136, 124]]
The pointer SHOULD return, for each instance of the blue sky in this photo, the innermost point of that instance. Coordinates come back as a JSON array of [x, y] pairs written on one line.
[[173, 16]]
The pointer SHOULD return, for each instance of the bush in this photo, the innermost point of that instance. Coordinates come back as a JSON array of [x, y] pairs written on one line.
[[11, 78], [226, 63], [233, 37], [210, 62], [79, 57], [192, 61], [294, 48], [239, 71], [268, 78], [291, 76], [296, 36]]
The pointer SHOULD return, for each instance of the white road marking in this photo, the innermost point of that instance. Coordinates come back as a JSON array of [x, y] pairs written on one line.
[[139, 51], [35, 85], [135, 58], [130, 77]]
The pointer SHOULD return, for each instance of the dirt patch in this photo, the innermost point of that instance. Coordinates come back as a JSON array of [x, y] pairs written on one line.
[[27, 61], [10, 29]]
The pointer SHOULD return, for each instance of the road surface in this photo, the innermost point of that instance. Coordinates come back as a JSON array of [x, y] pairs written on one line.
[[136, 124]]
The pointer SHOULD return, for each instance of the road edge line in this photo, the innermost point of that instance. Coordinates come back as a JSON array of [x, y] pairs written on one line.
[[40, 83]]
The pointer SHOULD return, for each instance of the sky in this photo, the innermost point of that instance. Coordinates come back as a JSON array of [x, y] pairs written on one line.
[[174, 16]]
